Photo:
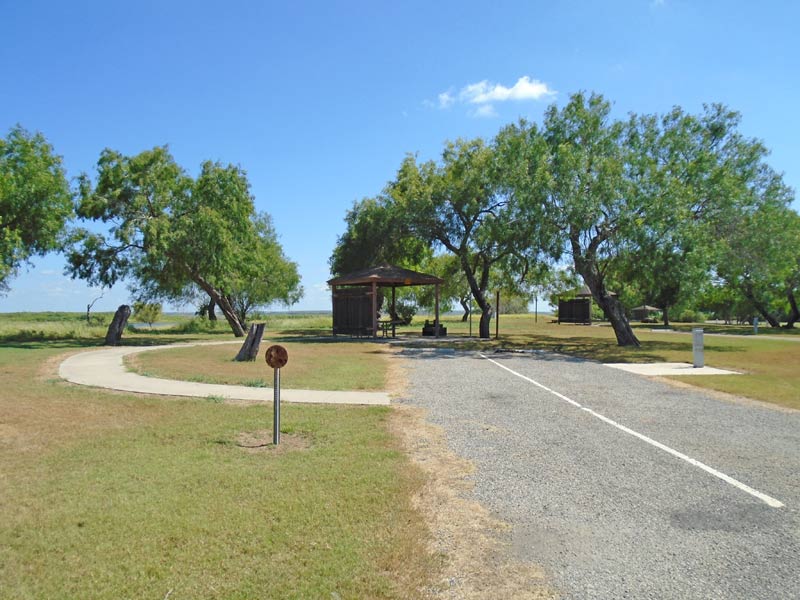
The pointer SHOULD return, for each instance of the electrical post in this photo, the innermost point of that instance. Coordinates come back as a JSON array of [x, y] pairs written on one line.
[[697, 348], [470, 314], [497, 316]]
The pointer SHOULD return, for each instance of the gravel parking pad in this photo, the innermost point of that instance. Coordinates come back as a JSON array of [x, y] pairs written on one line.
[[606, 514]]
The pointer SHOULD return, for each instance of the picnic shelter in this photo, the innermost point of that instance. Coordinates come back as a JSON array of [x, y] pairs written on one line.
[[355, 299]]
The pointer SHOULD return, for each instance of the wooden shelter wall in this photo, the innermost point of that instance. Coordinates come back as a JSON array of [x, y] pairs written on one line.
[[352, 311], [575, 310]]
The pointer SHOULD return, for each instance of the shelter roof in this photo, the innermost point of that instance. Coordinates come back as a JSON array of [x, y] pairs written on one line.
[[587, 293], [386, 275], [646, 307]]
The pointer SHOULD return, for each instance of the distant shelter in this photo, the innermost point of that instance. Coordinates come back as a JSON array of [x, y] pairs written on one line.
[[578, 308], [644, 312]]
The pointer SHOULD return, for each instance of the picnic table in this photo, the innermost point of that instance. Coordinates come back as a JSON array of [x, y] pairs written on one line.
[[389, 324]]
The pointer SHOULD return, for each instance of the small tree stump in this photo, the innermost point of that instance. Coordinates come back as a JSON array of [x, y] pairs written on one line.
[[252, 342], [118, 325]]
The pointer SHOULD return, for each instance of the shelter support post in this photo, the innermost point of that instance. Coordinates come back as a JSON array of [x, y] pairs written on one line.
[[394, 311], [374, 310], [333, 307], [436, 318]]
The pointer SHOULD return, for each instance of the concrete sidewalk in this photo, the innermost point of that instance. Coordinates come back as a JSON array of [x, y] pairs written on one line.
[[105, 369], [668, 368]]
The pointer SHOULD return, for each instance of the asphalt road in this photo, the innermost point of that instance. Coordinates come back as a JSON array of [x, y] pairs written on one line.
[[584, 475]]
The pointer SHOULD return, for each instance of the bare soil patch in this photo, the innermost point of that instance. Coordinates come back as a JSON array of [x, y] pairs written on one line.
[[474, 546], [257, 442]]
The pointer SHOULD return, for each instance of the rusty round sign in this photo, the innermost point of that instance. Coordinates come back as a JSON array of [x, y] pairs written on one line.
[[276, 357]]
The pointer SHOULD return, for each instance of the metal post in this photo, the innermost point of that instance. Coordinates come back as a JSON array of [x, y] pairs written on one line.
[[755, 325], [470, 315], [276, 409], [497, 316], [697, 348]]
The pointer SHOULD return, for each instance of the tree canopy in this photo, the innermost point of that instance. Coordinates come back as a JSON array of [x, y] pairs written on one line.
[[377, 232], [642, 200], [655, 205], [466, 206], [169, 231], [35, 200]]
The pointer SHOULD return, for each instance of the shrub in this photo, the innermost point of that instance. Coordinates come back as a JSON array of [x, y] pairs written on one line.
[[146, 312], [405, 310], [196, 325], [690, 316]]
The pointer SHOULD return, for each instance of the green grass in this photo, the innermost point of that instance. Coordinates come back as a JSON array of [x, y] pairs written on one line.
[[108, 495]]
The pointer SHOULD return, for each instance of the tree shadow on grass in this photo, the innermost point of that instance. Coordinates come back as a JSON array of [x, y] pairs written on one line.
[[314, 337], [28, 343], [315, 333], [42, 340]]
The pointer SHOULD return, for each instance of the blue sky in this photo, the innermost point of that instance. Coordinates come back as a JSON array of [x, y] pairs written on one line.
[[320, 101]]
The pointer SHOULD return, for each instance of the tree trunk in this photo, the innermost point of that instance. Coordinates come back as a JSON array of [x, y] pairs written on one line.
[[249, 350], [485, 324], [230, 315], [747, 292], [794, 316], [225, 306], [118, 324], [666, 315], [212, 315], [479, 293], [615, 313], [89, 307], [586, 266], [768, 317], [465, 305]]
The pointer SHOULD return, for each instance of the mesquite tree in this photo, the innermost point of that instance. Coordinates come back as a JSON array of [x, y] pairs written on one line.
[[169, 231], [465, 205], [35, 200]]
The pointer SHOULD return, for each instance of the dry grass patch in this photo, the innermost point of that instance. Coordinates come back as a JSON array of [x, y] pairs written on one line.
[[769, 365], [472, 546], [335, 365], [111, 495]]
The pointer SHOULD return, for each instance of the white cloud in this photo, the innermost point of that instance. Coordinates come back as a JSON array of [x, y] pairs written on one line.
[[656, 3], [484, 94], [486, 111], [446, 100]]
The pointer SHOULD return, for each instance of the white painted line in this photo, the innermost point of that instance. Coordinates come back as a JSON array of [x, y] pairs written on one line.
[[726, 478]]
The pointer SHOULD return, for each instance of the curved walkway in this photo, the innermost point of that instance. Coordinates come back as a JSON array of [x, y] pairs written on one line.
[[105, 369]]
